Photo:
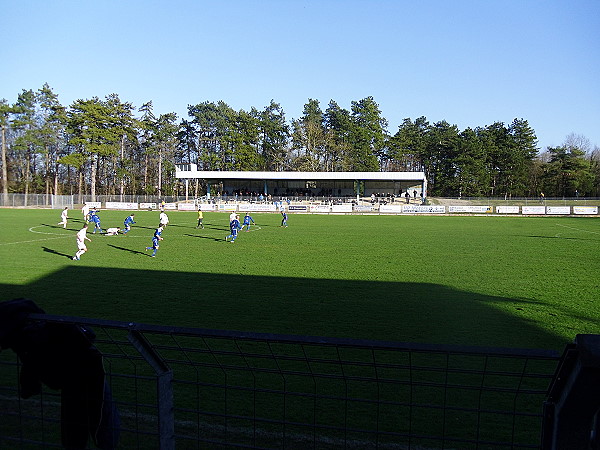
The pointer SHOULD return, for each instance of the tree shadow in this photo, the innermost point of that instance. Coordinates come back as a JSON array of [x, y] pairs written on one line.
[[393, 311]]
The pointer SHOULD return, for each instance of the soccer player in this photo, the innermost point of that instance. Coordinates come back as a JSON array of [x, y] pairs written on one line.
[[234, 226], [283, 219], [163, 220], [64, 216], [128, 222], [200, 219], [81, 247], [85, 210], [94, 218], [155, 240], [112, 231], [247, 219]]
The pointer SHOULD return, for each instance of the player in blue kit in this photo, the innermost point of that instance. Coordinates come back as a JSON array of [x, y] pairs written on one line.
[[128, 222], [95, 220], [283, 219], [234, 226], [247, 219], [155, 241]]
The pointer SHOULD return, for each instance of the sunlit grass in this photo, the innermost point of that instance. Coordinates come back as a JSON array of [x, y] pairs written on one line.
[[494, 281]]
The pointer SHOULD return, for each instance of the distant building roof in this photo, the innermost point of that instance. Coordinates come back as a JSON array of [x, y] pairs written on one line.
[[187, 171]]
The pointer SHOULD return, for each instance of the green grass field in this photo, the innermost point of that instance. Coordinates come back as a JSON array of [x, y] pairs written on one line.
[[487, 281]]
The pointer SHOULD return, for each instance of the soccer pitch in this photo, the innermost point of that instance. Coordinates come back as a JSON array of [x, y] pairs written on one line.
[[487, 281]]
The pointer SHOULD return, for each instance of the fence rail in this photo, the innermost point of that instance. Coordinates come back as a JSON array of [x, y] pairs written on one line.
[[60, 201], [196, 388]]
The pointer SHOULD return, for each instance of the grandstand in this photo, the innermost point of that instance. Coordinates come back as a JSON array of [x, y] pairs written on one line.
[[305, 184]]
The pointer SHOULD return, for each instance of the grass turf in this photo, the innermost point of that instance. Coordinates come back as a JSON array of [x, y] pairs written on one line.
[[493, 281]]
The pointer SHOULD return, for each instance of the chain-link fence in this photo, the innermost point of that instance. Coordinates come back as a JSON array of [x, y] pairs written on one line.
[[194, 388]]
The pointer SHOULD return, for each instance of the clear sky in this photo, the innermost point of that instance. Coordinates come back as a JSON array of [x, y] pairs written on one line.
[[469, 62]]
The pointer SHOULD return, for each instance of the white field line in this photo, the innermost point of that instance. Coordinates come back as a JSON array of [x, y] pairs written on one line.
[[576, 229], [32, 230], [72, 235]]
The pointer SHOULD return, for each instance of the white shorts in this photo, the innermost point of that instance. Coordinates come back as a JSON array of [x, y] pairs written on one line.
[[81, 246]]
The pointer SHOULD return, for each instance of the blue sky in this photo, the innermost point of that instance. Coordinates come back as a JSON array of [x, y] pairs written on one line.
[[469, 62]]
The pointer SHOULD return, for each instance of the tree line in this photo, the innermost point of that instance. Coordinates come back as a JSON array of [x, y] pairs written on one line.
[[108, 146]]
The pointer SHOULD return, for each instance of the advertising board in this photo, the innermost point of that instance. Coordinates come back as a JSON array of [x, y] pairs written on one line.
[[558, 210], [121, 205], [469, 209], [533, 210], [259, 207], [390, 209], [424, 209], [587, 210], [342, 208], [507, 210]]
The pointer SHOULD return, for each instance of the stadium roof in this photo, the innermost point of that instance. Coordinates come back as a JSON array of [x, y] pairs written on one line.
[[187, 171]]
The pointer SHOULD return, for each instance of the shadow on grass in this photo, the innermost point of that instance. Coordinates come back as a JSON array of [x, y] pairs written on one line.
[[59, 227], [402, 312], [199, 236], [135, 252], [564, 238], [54, 252], [206, 227]]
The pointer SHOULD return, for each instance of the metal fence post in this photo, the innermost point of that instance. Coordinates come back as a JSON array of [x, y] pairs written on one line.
[[572, 407], [166, 413]]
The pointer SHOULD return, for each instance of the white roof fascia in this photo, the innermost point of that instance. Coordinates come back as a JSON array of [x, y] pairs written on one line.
[[258, 175]]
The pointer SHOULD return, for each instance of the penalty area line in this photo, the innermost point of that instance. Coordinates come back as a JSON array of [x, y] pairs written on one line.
[[37, 240], [32, 230], [576, 229]]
